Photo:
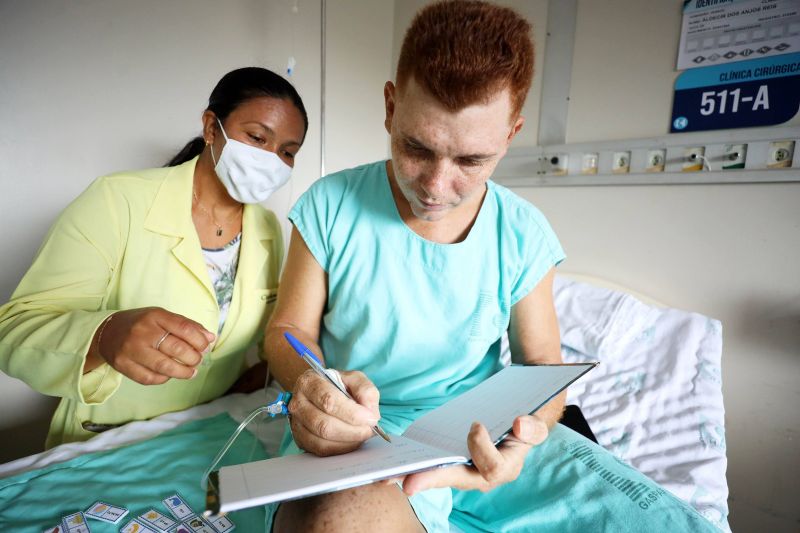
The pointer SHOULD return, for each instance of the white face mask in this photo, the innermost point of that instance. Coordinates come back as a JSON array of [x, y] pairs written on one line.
[[249, 174]]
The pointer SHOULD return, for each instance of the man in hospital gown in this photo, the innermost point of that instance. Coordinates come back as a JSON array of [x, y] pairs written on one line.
[[405, 275]]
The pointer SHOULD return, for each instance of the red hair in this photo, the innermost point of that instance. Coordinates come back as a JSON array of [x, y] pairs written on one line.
[[463, 52]]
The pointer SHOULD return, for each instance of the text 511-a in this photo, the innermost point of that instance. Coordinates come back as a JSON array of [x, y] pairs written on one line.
[[725, 100]]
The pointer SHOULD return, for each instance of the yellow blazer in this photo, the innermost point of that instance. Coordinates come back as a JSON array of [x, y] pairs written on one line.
[[128, 242]]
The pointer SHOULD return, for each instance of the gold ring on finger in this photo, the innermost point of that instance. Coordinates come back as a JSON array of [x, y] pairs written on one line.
[[164, 336]]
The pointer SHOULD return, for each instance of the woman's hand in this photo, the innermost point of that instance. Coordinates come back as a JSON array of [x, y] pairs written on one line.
[[493, 466], [150, 345], [326, 422]]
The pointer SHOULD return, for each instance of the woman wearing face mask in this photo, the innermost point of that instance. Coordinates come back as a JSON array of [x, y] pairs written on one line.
[[152, 284]]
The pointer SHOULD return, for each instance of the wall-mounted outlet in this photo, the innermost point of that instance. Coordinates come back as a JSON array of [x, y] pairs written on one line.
[[556, 164], [589, 163], [656, 160], [734, 156], [621, 164], [780, 154], [693, 158]]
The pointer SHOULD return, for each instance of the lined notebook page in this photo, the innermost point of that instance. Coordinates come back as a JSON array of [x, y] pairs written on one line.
[[516, 390]]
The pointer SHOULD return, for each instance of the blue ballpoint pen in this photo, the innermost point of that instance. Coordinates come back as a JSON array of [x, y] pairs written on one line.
[[315, 364]]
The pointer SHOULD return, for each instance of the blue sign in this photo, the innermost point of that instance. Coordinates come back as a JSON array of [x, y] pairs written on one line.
[[759, 92]]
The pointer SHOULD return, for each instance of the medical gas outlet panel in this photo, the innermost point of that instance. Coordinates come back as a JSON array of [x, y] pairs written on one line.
[[753, 155]]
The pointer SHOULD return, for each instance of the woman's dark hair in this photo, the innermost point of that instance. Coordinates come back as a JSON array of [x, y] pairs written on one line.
[[235, 88]]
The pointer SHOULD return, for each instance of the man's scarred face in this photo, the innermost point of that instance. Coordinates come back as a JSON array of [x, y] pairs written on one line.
[[442, 159]]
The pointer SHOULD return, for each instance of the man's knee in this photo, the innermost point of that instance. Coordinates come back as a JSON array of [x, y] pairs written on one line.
[[373, 507]]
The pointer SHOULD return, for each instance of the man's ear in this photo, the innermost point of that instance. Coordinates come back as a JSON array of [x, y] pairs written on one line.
[[389, 93], [515, 129]]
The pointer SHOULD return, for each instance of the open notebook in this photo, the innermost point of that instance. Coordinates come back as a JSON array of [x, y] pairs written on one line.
[[438, 438]]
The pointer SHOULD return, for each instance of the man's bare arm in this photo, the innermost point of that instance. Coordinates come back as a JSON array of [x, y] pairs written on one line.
[[323, 421], [301, 300], [534, 338]]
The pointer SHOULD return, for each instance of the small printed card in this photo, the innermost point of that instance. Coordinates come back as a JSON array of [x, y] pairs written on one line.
[[157, 521], [54, 529], [198, 525], [178, 507], [75, 523], [134, 526], [221, 524], [106, 512]]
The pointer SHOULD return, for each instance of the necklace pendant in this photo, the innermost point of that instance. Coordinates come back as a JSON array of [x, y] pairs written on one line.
[[219, 231]]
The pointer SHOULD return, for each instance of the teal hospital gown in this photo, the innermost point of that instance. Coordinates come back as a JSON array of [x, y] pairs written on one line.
[[422, 320]]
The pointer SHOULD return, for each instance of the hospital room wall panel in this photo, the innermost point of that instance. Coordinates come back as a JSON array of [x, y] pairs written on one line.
[[359, 35], [623, 69]]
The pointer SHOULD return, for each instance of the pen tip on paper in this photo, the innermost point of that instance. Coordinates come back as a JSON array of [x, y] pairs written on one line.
[[381, 433]]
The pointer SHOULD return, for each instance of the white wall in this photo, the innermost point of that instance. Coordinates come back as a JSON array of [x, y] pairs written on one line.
[[623, 69], [93, 87], [359, 49]]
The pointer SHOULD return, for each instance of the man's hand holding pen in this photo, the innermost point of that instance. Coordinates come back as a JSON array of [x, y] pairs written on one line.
[[326, 422]]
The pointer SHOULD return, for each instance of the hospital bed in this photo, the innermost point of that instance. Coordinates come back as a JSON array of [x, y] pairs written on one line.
[[655, 401]]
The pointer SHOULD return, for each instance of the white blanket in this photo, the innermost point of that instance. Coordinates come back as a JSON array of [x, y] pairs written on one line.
[[655, 400]]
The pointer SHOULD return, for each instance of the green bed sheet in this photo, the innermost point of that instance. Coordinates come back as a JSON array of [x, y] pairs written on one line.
[[136, 476]]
